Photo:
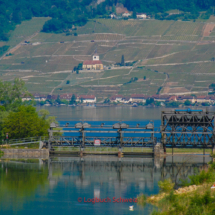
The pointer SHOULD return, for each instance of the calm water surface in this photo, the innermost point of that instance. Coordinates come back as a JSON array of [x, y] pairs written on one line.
[[53, 186]]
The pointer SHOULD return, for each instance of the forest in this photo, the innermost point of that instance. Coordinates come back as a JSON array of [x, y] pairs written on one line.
[[67, 14]]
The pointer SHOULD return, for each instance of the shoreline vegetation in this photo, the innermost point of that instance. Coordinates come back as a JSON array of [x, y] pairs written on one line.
[[193, 197]]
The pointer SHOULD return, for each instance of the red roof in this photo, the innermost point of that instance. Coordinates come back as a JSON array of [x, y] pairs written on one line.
[[66, 96], [200, 97], [86, 97], [92, 62]]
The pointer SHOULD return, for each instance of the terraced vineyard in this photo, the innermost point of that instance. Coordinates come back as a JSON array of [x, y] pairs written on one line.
[[177, 56]]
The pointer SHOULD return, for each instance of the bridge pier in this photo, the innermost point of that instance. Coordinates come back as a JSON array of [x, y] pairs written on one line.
[[158, 150]]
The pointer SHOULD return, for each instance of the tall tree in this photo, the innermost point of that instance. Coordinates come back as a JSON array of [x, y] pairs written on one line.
[[11, 94], [122, 61], [73, 99], [25, 123]]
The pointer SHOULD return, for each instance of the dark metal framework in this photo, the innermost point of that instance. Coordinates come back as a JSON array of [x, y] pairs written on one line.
[[120, 135], [194, 128], [179, 128]]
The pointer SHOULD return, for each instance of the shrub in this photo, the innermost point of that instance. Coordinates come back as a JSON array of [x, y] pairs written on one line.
[[166, 186]]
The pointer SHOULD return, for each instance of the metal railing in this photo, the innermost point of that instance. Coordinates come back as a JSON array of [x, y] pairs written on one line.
[[24, 141]]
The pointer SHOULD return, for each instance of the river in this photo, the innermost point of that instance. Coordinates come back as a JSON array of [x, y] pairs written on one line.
[[68, 185]]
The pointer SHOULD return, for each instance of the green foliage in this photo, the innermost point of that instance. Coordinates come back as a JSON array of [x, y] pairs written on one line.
[[68, 82], [10, 94], [25, 123], [159, 89], [131, 80], [166, 186], [141, 200], [187, 103], [149, 101], [107, 100], [3, 49], [172, 104], [122, 61], [73, 99]]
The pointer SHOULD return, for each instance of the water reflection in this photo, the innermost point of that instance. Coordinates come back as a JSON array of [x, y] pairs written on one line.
[[56, 184], [19, 181]]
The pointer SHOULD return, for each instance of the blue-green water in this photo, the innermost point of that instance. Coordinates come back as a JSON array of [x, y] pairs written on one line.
[[53, 186]]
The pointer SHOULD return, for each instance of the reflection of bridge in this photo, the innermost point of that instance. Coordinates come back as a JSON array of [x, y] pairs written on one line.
[[179, 128], [123, 169]]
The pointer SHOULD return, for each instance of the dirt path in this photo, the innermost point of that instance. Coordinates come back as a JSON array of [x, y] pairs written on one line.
[[174, 64]]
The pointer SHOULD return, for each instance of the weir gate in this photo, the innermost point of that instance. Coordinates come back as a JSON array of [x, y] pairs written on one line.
[[178, 128]]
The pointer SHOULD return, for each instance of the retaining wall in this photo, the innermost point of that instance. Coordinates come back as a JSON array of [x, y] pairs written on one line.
[[25, 153]]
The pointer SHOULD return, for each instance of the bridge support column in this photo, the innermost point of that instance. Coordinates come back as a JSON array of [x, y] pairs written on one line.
[[158, 150], [81, 151], [120, 154]]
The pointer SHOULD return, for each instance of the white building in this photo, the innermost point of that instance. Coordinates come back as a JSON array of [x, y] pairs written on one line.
[[138, 98], [141, 16], [126, 14], [87, 98]]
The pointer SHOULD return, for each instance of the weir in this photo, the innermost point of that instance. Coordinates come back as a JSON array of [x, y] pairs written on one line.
[[180, 128]]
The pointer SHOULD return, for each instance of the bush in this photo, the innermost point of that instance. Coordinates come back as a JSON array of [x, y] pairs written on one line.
[[166, 186]]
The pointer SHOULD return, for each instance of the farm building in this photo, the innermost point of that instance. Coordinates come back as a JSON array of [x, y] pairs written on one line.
[[93, 64]]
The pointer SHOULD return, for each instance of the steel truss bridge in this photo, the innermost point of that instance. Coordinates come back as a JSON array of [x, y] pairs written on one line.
[[179, 128]]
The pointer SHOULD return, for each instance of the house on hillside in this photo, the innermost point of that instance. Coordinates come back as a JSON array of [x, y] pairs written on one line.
[[126, 14], [116, 98], [66, 96], [161, 98], [95, 63], [120, 98], [38, 97], [141, 16], [86, 98], [200, 99], [138, 98]]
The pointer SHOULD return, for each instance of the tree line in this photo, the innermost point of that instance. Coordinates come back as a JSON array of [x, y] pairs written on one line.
[[20, 119], [66, 14]]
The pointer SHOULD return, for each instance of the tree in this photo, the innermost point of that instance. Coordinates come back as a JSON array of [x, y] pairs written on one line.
[[11, 93], [144, 78], [73, 100], [107, 100], [122, 61], [58, 100], [187, 103], [134, 14], [149, 101], [25, 123], [68, 82]]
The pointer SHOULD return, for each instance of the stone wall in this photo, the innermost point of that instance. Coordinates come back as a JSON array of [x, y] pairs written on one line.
[[25, 153]]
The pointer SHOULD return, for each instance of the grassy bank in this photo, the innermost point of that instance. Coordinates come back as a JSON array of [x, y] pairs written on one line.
[[26, 146], [195, 197], [188, 151]]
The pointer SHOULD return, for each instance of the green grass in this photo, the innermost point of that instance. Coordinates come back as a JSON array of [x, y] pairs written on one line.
[[188, 151]]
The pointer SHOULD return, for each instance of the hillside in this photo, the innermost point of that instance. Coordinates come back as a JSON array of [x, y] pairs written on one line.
[[175, 55]]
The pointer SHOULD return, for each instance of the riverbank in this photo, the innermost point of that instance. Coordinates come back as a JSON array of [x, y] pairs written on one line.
[[194, 197]]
